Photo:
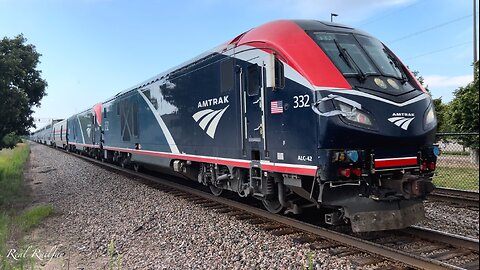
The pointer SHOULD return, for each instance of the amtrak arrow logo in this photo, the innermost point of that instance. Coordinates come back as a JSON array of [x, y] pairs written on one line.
[[402, 120], [208, 120]]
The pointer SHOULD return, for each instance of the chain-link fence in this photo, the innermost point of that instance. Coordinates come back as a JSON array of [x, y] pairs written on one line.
[[457, 166]]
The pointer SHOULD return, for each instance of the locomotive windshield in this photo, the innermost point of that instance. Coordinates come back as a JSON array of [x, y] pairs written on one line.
[[358, 55]]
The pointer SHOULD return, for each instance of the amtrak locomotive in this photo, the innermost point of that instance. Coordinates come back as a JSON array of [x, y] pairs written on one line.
[[298, 114]]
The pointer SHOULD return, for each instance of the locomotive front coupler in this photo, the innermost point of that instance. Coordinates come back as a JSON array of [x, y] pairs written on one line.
[[409, 185]]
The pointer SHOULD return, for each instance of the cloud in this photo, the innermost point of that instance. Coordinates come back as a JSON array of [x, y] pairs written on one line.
[[444, 86], [447, 81]]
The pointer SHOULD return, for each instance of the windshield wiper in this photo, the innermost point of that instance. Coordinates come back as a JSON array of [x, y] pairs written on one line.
[[349, 61], [396, 65]]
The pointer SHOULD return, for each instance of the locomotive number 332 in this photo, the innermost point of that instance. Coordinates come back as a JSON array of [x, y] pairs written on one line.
[[301, 101]]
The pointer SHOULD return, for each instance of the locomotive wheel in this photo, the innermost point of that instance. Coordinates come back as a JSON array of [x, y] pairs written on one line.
[[273, 205], [215, 190]]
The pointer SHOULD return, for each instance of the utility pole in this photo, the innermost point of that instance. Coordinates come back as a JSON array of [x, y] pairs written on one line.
[[475, 59]]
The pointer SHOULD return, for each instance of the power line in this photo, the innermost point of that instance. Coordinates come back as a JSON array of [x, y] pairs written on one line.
[[376, 18], [430, 28], [436, 51]]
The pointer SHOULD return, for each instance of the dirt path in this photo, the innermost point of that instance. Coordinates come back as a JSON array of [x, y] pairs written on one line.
[[46, 245]]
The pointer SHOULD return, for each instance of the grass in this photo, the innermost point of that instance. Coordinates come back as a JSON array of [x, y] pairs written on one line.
[[4, 225], [13, 197], [459, 178], [115, 259], [34, 216], [11, 171]]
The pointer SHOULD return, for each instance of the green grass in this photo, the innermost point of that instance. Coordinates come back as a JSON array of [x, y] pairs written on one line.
[[115, 257], [11, 170], [5, 221], [34, 216], [13, 195], [459, 178]]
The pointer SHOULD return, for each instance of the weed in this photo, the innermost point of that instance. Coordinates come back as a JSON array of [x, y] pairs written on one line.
[[115, 258], [309, 261]]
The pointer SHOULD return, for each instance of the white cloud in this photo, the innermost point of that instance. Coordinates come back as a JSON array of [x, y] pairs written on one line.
[[444, 86], [447, 81]]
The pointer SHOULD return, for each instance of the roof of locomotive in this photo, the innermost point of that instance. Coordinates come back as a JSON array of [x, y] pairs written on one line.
[[262, 34], [314, 25]]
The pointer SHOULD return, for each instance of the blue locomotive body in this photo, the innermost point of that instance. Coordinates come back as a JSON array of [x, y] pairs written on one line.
[[295, 113]]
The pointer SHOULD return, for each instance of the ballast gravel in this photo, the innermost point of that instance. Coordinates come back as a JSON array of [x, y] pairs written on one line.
[[105, 220], [452, 219]]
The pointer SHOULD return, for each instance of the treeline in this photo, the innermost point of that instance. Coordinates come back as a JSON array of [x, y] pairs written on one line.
[[462, 113]]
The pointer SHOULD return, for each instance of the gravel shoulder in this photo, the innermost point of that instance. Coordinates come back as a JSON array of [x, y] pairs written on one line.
[[150, 229], [452, 219]]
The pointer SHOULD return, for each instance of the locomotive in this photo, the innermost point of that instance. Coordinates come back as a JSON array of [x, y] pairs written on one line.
[[296, 113]]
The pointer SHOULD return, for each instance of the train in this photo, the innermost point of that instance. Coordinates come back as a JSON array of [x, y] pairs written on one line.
[[300, 114]]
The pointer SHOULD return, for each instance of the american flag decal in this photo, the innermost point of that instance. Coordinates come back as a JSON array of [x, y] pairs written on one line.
[[276, 106]]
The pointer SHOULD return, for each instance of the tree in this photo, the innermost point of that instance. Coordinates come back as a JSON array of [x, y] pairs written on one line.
[[464, 109], [441, 109], [21, 88]]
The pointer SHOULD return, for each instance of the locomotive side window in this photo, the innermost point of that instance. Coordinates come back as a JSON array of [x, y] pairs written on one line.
[[279, 74], [226, 72], [253, 80]]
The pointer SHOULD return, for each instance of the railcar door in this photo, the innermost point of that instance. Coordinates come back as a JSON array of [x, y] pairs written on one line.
[[251, 86], [92, 132]]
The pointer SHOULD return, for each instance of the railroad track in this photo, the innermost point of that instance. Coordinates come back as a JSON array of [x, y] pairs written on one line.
[[456, 196], [412, 247]]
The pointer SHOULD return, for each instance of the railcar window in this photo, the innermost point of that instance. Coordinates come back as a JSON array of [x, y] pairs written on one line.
[[226, 71], [253, 80], [279, 74]]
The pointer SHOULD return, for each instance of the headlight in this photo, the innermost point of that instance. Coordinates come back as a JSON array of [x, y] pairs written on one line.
[[430, 116], [353, 114]]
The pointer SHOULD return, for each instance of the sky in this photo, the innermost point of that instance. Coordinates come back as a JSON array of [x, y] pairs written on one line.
[[92, 49]]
